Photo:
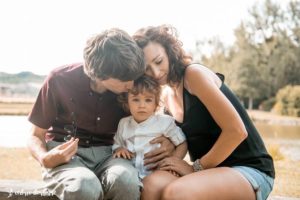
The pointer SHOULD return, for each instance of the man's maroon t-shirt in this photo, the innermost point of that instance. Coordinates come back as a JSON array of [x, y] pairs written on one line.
[[66, 98]]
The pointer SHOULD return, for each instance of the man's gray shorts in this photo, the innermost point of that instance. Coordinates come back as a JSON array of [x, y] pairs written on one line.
[[93, 174]]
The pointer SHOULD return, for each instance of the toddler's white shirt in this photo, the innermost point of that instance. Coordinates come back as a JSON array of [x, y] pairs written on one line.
[[136, 136]]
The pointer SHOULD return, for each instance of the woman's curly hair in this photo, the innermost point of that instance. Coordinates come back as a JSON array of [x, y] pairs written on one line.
[[166, 35]]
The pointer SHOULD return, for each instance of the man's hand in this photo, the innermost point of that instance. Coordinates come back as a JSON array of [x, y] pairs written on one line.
[[122, 152], [60, 154], [166, 149]]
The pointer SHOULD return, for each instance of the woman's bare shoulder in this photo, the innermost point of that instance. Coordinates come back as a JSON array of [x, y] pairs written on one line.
[[199, 70], [198, 74]]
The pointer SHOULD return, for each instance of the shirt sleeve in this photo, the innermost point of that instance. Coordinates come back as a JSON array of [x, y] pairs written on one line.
[[174, 133], [118, 138], [44, 110]]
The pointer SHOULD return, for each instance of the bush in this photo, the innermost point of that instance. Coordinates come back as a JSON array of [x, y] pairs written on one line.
[[288, 101], [275, 152]]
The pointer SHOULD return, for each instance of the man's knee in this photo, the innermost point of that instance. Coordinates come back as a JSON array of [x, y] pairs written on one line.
[[83, 188], [121, 178]]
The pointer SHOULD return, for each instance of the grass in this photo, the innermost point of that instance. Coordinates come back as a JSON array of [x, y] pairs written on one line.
[[275, 152], [287, 181], [15, 108], [17, 163]]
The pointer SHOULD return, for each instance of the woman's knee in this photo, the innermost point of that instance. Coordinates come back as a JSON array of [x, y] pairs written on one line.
[[171, 191], [156, 182]]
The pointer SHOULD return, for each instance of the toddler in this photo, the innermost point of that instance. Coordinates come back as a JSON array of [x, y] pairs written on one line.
[[135, 132]]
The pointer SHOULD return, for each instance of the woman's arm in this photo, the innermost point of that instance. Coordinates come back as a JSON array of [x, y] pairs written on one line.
[[202, 83]]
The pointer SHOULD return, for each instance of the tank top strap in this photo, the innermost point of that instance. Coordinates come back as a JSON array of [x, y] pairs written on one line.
[[221, 76]]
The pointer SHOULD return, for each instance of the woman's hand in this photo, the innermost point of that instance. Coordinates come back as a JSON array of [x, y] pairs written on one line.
[[175, 164], [166, 149]]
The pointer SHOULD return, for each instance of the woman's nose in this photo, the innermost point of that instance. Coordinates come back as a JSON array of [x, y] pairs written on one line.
[[154, 72]]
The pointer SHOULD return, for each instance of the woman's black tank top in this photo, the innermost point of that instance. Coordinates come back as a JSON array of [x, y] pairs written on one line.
[[202, 132]]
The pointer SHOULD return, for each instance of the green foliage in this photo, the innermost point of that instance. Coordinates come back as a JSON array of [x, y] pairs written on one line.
[[22, 77], [288, 101], [22, 85], [266, 54]]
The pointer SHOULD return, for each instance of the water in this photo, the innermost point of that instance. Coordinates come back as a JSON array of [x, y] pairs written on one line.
[[275, 131], [14, 131], [287, 138]]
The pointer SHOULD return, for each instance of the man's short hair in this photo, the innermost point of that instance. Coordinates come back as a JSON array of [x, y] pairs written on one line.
[[113, 54]]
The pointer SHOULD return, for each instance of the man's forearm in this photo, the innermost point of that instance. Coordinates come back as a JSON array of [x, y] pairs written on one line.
[[37, 148], [181, 150]]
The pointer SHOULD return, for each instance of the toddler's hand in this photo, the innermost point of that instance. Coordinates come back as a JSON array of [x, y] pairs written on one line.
[[123, 153]]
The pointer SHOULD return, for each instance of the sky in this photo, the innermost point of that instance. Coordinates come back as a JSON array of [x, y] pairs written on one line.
[[39, 35]]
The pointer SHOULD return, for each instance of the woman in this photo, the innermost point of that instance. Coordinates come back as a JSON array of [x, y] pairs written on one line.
[[230, 159]]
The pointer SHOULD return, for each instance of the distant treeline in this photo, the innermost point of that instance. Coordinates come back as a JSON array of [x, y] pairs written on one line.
[[265, 56], [21, 77], [21, 86]]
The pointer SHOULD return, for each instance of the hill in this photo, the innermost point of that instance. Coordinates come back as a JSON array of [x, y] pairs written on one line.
[[22, 77], [22, 86]]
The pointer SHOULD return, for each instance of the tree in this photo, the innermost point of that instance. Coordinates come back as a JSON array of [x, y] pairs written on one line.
[[265, 56]]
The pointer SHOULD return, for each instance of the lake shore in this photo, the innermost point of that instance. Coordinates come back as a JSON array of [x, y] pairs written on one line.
[[272, 118], [15, 107]]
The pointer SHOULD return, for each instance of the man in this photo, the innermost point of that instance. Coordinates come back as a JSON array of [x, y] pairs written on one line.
[[75, 118]]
